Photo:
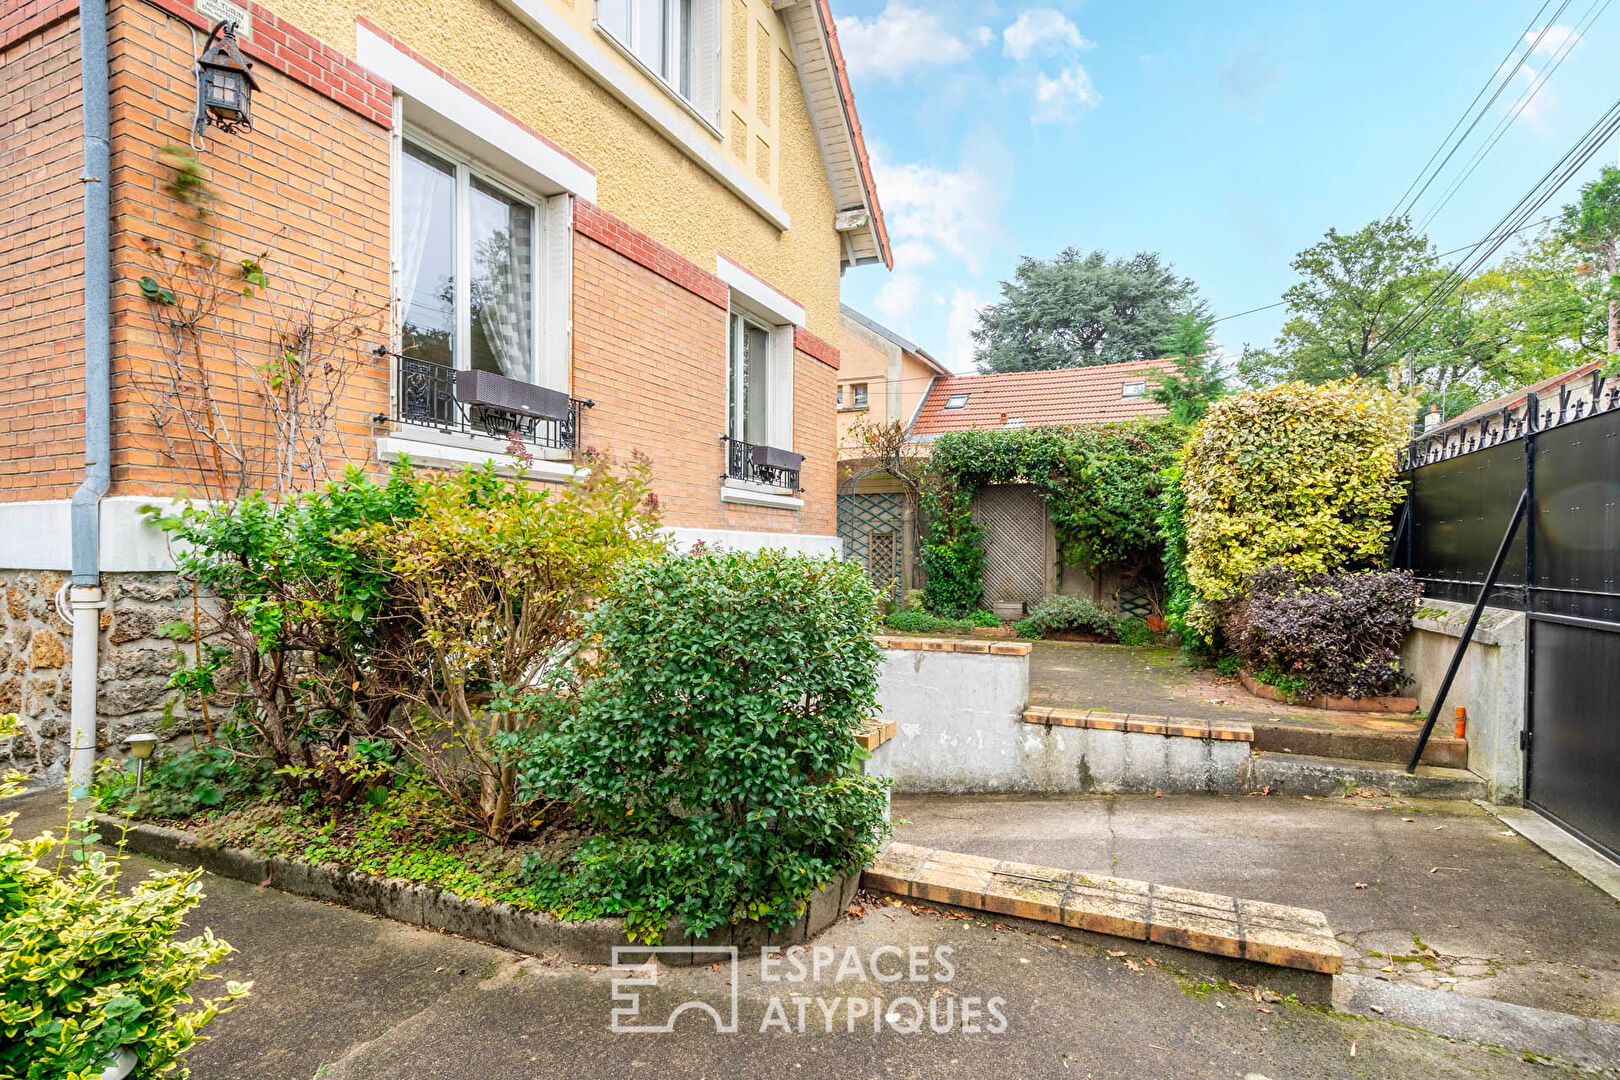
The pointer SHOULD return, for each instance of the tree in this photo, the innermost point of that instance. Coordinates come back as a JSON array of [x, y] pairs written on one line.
[[1593, 226], [1082, 310], [1198, 379], [1355, 290]]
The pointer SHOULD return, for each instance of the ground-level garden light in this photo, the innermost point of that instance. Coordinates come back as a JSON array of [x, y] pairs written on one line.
[[140, 748]]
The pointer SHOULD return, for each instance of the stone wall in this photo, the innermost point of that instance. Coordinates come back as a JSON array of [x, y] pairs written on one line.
[[36, 676]]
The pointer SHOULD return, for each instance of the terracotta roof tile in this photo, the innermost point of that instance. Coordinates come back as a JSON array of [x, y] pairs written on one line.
[[1516, 398], [1069, 397]]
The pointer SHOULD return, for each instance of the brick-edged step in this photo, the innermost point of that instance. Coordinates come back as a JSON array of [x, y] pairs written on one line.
[[1300, 774], [1225, 926], [1140, 723], [1396, 746]]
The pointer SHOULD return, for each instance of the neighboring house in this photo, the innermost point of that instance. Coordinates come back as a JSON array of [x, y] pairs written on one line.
[[882, 378], [1071, 397], [595, 224], [1567, 395]]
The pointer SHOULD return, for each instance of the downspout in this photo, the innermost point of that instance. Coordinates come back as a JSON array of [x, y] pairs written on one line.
[[84, 587]]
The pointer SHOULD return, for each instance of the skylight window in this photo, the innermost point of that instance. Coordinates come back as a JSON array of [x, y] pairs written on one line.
[[956, 401], [1134, 389]]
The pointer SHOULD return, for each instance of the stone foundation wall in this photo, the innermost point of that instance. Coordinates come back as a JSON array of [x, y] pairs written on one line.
[[36, 650]]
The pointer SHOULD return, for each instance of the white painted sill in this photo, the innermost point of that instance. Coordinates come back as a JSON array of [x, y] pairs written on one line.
[[442, 456], [746, 494]]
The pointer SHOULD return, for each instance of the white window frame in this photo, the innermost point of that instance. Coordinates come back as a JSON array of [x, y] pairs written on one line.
[[553, 258], [1136, 388], [675, 62], [962, 404]]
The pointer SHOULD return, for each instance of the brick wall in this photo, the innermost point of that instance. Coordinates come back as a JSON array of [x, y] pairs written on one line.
[[306, 192], [41, 268]]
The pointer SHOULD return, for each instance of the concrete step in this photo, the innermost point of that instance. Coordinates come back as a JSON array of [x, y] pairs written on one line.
[[1393, 746], [1302, 774]]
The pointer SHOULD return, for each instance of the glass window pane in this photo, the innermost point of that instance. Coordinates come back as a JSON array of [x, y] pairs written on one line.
[[648, 43], [614, 15], [683, 49], [427, 222], [502, 233], [756, 350]]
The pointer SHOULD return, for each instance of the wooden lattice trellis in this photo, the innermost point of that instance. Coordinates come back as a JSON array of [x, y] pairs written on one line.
[[870, 526], [1014, 522]]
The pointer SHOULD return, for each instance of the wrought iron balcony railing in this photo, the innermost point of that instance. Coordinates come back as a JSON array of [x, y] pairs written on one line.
[[434, 396], [765, 465]]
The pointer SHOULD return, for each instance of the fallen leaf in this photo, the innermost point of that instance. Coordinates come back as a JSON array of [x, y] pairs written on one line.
[[1363, 884], [1055, 937], [1116, 952], [1158, 794], [1408, 819], [857, 912], [1263, 1009], [1133, 965], [1306, 797], [716, 967], [1149, 961]]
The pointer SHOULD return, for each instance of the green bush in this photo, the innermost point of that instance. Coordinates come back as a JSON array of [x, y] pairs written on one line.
[[86, 972], [921, 622], [1134, 632], [1301, 475], [1069, 614], [1227, 666], [183, 781], [714, 754], [984, 619]]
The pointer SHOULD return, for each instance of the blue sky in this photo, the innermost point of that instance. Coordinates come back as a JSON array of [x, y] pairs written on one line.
[[1226, 136]]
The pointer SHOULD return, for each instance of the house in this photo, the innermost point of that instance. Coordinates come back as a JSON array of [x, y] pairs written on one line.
[[882, 378], [1568, 395], [572, 225]]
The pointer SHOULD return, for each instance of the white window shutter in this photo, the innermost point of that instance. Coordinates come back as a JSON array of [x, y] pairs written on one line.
[[706, 59], [781, 392]]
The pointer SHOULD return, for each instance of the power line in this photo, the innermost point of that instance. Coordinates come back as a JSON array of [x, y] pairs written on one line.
[[1502, 74], [1566, 47]]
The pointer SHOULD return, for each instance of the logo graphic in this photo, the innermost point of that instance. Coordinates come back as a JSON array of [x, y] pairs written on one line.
[[646, 974]]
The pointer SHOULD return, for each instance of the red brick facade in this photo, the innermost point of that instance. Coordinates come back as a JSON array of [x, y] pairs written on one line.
[[307, 193]]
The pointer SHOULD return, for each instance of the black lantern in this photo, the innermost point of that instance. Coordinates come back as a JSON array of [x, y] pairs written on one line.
[[224, 82]]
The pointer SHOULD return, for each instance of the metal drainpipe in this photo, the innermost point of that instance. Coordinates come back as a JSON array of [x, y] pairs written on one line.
[[84, 593]]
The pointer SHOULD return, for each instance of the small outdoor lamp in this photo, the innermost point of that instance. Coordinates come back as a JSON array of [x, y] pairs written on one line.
[[225, 84], [140, 748]]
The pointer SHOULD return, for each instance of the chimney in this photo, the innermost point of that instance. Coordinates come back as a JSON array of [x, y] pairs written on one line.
[[1432, 419]]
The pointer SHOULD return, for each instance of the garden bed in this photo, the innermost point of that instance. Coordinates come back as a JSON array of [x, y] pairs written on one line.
[[434, 907], [1384, 704]]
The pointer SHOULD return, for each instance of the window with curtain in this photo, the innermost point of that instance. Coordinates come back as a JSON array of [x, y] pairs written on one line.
[[657, 32], [750, 380], [450, 218]]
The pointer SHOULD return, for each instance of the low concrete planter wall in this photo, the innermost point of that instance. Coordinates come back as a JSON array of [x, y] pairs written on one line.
[[960, 729], [1490, 684], [434, 908], [1386, 703]]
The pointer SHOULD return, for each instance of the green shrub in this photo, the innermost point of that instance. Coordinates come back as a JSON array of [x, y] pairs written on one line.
[[1134, 632], [952, 552], [984, 619], [86, 972], [1298, 474], [1227, 666], [915, 600], [714, 754], [1068, 614], [921, 622]]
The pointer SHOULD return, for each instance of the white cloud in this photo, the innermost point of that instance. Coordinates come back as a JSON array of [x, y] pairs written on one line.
[[983, 35], [898, 297], [932, 211], [1059, 100], [959, 328], [897, 40], [1045, 31], [1554, 39]]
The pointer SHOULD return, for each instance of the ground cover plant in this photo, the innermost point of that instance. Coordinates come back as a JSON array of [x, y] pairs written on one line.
[[1069, 614]]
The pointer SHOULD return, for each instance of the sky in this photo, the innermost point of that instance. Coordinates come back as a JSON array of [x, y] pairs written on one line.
[[1225, 136]]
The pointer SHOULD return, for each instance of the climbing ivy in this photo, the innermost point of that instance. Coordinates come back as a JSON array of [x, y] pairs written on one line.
[[1103, 487]]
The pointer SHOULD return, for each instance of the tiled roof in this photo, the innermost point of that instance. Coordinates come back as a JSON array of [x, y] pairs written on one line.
[[1070, 397], [1516, 398]]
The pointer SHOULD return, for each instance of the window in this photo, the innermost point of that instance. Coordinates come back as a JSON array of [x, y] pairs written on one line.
[[956, 401], [467, 268], [656, 32], [1134, 389], [840, 397], [859, 393], [750, 381]]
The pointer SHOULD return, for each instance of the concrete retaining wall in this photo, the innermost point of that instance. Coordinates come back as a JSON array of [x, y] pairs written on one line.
[[1490, 684], [960, 730]]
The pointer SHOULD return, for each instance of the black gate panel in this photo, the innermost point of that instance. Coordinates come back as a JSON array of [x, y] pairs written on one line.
[[1459, 508], [1577, 518], [1574, 761]]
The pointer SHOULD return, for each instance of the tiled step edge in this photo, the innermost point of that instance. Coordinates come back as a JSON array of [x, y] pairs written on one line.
[[877, 732], [1102, 720], [1250, 930], [956, 645]]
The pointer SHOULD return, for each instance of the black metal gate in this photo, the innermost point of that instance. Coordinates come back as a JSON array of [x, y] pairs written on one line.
[[1563, 571]]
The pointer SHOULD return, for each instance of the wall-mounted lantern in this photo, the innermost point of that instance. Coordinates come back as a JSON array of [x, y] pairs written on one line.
[[225, 84]]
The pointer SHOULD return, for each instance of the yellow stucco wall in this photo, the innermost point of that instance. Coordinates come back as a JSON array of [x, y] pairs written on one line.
[[642, 177], [862, 361]]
